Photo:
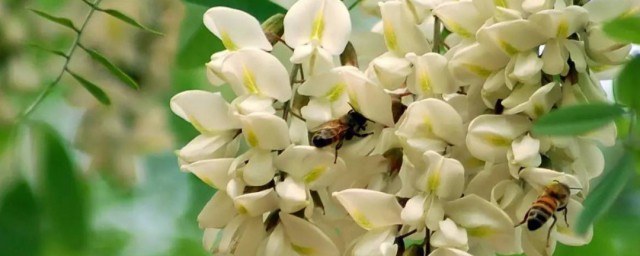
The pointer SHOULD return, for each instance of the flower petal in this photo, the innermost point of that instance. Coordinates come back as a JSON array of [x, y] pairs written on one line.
[[293, 195], [370, 209], [460, 17], [450, 235], [541, 177], [432, 118], [236, 29], [306, 238], [376, 243], [265, 131], [484, 220], [257, 203], [444, 176], [400, 32], [207, 112], [218, 212], [259, 170], [205, 147], [413, 212], [213, 172], [252, 71], [325, 21], [512, 36], [490, 136]]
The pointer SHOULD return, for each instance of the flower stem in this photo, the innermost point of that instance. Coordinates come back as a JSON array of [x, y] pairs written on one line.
[[292, 80], [354, 4], [436, 35], [45, 92], [427, 241]]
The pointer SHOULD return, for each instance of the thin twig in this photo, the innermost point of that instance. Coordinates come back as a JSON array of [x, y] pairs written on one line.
[[354, 4], [45, 92], [292, 79], [427, 241], [436, 35]]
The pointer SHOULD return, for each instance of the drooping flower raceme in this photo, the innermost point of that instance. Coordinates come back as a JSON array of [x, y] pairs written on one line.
[[446, 161]]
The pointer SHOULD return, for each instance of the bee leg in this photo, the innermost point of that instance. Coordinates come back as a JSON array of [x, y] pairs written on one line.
[[338, 146], [550, 228], [564, 212], [523, 219]]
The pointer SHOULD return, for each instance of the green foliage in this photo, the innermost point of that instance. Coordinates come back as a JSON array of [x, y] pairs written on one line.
[[6, 131], [55, 52], [605, 193], [62, 21], [627, 85], [62, 194], [121, 16], [109, 242], [115, 70], [577, 119], [198, 43], [20, 227], [92, 88], [624, 28]]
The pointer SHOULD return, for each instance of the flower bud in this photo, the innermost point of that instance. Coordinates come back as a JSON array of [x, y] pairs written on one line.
[[349, 56], [273, 28]]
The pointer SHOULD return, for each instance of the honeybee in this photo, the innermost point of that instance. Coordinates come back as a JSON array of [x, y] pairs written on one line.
[[338, 130], [554, 198]]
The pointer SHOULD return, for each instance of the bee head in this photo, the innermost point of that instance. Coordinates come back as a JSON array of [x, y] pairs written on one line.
[[559, 189], [355, 118]]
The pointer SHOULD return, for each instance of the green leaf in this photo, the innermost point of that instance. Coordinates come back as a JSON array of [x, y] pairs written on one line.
[[115, 70], [625, 28], [92, 88], [63, 195], [606, 192], [121, 16], [6, 132], [196, 42], [62, 21], [56, 52], [626, 87], [577, 119], [20, 229]]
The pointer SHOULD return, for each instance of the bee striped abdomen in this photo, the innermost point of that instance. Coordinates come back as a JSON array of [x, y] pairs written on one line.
[[324, 137], [540, 212]]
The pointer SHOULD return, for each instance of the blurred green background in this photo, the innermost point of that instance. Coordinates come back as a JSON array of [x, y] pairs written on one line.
[[80, 178]]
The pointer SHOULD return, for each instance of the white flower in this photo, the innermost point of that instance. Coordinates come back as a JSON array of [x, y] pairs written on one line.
[[317, 30], [442, 181], [237, 30], [490, 136]]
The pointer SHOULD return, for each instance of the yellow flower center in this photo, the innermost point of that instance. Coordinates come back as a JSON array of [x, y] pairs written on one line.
[[481, 231], [362, 220], [497, 140], [314, 174], [227, 42], [302, 250], [252, 138], [478, 70], [458, 29], [507, 47], [249, 80], [336, 92], [425, 85], [389, 35], [563, 28]]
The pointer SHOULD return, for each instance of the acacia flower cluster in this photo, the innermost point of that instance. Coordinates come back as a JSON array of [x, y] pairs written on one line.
[[449, 165]]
